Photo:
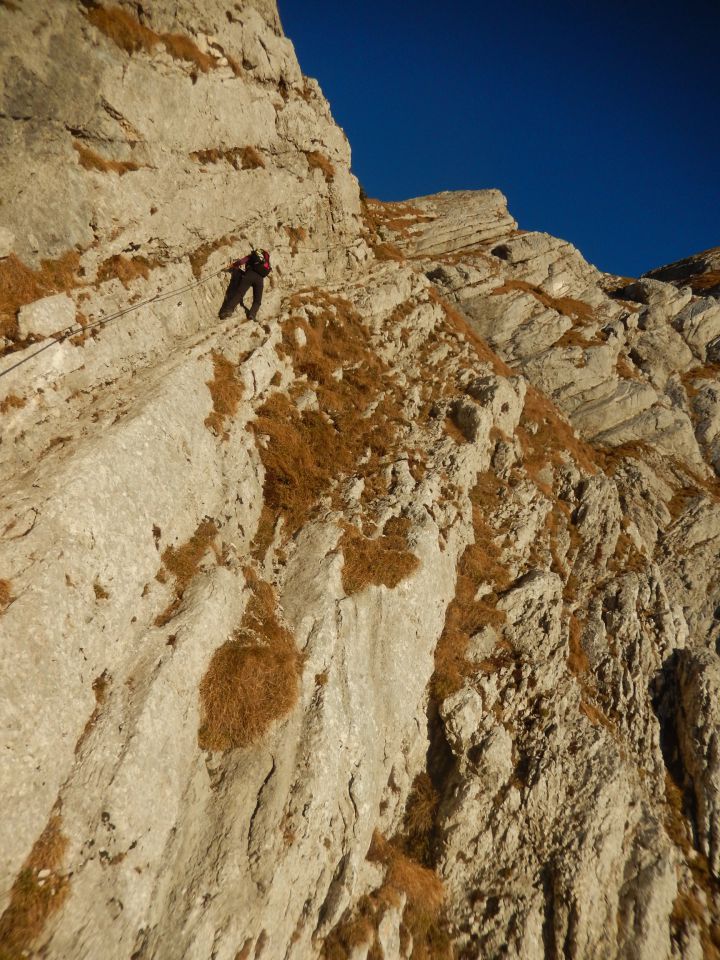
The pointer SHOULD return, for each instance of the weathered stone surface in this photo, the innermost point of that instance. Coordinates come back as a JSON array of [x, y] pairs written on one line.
[[698, 729], [477, 488], [701, 272], [7, 241], [47, 316]]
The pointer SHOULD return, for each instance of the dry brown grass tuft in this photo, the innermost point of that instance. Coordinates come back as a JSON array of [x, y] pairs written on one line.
[[691, 378], [388, 251], [296, 235], [122, 28], [181, 47], [5, 595], [200, 256], [420, 815], [626, 370], [133, 37], [19, 285], [12, 402], [691, 913], [305, 454], [251, 158], [34, 899], [226, 392], [567, 306], [398, 217], [242, 158], [124, 269], [318, 161], [627, 557], [385, 560], [183, 563], [704, 282], [100, 591], [91, 160], [424, 894], [253, 679], [357, 930], [466, 614], [595, 715], [423, 922], [553, 440]]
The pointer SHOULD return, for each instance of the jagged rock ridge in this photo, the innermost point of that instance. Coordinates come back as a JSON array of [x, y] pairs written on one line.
[[385, 628]]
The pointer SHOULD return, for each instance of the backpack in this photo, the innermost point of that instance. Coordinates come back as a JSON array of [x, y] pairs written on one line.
[[259, 262]]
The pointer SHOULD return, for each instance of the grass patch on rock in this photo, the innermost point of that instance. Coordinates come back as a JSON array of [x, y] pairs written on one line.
[[253, 679], [39, 890], [226, 392], [183, 563], [90, 160], [384, 560], [127, 33], [20, 285]]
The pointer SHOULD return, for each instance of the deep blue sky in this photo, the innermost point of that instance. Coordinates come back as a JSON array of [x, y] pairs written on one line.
[[600, 121]]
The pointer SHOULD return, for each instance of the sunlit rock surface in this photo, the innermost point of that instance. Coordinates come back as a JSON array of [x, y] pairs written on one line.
[[384, 626]]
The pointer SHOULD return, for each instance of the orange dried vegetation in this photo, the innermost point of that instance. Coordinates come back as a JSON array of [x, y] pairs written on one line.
[[131, 36], [253, 679], [425, 896], [20, 285], [12, 402], [384, 560], [398, 217], [183, 563], [242, 158], [595, 715], [626, 370], [318, 161], [124, 269], [705, 281], [553, 438], [709, 371], [91, 160], [305, 453], [567, 306], [226, 392], [296, 235], [466, 614], [420, 816], [5, 595], [388, 251], [32, 899], [200, 256]]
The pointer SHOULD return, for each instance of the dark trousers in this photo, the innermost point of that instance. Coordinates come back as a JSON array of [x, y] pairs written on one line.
[[239, 285]]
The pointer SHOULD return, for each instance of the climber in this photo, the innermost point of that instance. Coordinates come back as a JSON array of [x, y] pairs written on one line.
[[257, 267]]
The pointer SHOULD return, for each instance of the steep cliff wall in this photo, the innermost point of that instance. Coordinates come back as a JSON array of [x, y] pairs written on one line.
[[385, 626]]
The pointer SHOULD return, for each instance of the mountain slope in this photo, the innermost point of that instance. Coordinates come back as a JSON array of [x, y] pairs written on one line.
[[384, 627]]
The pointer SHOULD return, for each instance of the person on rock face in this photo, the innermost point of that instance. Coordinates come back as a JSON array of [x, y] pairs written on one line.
[[257, 267]]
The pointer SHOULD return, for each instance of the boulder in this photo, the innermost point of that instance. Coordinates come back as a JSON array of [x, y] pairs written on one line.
[[43, 318]]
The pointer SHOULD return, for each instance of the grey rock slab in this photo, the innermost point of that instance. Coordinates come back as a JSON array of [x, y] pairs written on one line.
[[42, 318]]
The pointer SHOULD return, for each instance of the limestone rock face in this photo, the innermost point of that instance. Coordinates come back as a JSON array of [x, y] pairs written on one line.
[[384, 626], [700, 272], [47, 316]]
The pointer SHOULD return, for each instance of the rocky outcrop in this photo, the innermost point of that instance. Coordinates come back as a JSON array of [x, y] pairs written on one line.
[[386, 626], [700, 272]]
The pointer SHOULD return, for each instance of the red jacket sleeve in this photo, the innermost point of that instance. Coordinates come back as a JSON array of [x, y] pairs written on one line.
[[240, 263]]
